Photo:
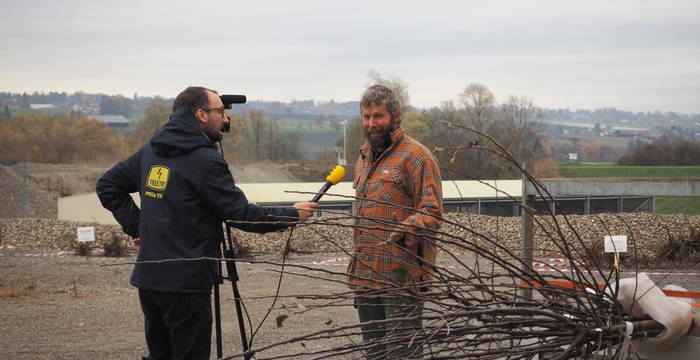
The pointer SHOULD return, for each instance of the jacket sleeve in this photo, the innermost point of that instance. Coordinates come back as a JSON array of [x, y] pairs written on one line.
[[427, 187], [230, 203], [113, 190]]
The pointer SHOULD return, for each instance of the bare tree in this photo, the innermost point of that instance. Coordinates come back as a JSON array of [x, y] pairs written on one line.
[[479, 106], [156, 114], [519, 127], [479, 113], [398, 86], [257, 137], [516, 123]]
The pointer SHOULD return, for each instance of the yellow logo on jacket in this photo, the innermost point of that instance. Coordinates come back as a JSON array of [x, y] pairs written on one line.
[[158, 177]]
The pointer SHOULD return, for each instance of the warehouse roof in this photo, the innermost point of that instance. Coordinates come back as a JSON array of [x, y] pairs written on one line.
[[267, 193]]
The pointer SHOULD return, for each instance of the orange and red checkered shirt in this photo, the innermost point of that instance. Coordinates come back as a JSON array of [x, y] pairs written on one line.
[[390, 191]]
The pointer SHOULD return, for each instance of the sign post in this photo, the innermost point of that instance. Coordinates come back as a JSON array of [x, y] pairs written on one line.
[[616, 244]]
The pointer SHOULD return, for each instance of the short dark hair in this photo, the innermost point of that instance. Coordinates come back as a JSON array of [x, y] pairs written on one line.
[[378, 95], [193, 98]]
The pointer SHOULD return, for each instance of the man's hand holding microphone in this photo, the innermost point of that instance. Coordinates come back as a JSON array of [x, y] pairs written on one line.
[[307, 208]]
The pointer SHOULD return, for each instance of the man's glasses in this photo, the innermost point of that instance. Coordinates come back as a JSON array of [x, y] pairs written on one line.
[[220, 110]]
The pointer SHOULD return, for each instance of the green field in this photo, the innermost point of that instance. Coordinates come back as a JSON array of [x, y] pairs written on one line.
[[664, 204], [678, 205], [596, 170]]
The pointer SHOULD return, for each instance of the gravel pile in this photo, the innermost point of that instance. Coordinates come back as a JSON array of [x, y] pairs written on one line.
[[647, 233], [51, 234], [21, 196]]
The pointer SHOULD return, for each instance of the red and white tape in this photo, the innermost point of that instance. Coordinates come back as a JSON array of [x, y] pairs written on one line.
[[6, 247], [551, 265], [631, 272], [556, 263]]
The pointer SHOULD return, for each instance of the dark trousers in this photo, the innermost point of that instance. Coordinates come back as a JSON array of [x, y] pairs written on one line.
[[177, 326], [395, 336]]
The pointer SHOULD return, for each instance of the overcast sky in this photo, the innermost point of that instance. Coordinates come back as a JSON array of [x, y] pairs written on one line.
[[634, 55]]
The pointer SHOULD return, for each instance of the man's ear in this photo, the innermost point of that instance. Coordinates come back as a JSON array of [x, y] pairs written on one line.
[[397, 121], [201, 116]]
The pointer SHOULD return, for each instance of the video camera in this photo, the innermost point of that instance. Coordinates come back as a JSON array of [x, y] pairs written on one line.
[[229, 100]]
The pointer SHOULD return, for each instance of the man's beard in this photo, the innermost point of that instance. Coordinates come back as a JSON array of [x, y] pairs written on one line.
[[382, 143], [214, 135]]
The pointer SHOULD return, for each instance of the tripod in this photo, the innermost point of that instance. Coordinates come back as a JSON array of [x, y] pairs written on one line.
[[226, 249]]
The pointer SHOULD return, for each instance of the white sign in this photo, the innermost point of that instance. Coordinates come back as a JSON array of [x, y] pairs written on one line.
[[86, 233], [573, 156], [616, 243]]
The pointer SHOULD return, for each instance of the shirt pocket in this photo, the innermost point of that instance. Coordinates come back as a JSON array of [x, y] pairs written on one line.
[[390, 185]]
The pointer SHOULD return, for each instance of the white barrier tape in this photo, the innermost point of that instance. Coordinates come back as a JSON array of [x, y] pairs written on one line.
[[7, 247], [330, 261], [60, 253]]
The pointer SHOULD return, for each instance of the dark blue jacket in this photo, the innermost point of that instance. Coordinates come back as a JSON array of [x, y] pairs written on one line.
[[186, 193]]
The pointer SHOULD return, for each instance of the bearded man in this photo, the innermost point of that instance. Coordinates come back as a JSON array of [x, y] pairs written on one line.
[[397, 209]]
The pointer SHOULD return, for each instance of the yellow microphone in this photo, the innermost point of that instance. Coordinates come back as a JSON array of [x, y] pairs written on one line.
[[334, 177]]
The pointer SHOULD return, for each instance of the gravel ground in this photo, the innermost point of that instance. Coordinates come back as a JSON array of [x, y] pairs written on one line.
[[72, 307]]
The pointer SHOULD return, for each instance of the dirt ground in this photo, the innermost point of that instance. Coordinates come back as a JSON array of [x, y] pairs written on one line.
[[73, 307]]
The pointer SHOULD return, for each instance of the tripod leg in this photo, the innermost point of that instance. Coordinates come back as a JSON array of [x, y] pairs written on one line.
[[233, 276], [217, 312]]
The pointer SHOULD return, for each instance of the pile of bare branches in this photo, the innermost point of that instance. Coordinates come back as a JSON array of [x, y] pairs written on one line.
[[495, 308], [491, 306]]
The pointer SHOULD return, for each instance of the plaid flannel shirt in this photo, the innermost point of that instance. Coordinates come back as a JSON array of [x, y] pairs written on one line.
[[390, 189]]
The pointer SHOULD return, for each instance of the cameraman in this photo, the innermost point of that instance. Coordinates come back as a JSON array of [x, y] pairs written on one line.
[[186, 193]]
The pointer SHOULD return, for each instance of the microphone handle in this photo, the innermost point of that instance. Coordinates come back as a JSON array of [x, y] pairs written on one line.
[[323, 190]]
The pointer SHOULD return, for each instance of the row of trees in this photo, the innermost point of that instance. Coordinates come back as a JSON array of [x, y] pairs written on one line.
[[64, 139], [255, 137], [616, 116], [76, 138], [666, 150]]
